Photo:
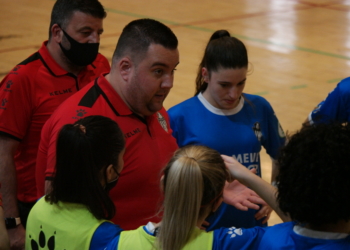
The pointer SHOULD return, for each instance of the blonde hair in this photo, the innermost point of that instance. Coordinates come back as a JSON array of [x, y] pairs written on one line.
[[193, 179]]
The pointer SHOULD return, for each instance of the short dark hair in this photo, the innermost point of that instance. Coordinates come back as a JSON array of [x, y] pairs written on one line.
[[139, 34], [63, 10], [222, 51], [313, 182], [84, 150]]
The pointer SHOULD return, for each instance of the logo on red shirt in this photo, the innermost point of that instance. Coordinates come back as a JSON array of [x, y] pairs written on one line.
[[8, 86], [80, 114], [60, 92], [13, 71], [3, 103], [132, 133]]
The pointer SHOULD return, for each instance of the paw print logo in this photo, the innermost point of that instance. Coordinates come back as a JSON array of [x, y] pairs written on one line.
[[3, 102], [50, 243], [9, 83], [16, 68], [234, 232], [81, 112]]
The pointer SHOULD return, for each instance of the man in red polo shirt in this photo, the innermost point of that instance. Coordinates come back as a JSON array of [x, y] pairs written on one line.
[[141, 77], [31, 92]]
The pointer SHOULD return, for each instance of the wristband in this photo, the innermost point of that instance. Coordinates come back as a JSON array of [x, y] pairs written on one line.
[[12, 222]]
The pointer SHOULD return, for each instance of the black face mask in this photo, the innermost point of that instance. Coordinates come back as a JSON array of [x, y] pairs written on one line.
[[113, 183], [81, 54]]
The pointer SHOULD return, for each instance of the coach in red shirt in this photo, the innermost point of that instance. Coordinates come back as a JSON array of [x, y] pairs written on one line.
[[141, 77], [31, 92]]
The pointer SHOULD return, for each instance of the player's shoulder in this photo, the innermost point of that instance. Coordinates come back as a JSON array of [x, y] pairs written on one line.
[[242, 238], [343, 87], [184, 106], [28, 68], [255, 98], [71, 108], [101, 60], [257, 102]]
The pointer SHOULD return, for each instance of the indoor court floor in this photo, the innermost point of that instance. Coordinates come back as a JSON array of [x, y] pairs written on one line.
[[298, 49]]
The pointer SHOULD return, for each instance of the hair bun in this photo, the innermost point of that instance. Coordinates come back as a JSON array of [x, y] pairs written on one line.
[[219, 33]]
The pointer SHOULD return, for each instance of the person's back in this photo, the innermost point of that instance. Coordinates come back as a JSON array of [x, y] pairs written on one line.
[[312, 198], [74, 214], [312, 190], [193, 185], [61, 225], [290, 235]]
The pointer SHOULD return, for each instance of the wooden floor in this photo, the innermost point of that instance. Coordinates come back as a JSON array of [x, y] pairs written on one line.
[[298, 50]]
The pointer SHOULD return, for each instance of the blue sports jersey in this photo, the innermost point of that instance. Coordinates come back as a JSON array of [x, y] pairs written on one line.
[[239, 132], [103, 235], [285, 236], [336, 107], [224, 238]]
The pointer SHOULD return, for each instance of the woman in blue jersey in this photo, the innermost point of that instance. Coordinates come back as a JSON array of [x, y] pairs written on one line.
[[220, 116], [74, 214]]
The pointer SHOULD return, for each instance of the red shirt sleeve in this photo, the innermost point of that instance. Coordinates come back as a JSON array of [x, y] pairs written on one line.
[[16, 105]]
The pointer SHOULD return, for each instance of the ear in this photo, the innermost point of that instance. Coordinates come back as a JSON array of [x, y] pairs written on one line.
[[205, 74], [56, 33], [125, 66], [110, 173], [217, 204]]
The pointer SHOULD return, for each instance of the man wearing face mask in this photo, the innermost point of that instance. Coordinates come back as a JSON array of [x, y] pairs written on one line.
[[32, 91]]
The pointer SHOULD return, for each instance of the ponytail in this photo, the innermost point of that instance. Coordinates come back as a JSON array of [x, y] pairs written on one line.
[[83, 152], [182, 202], [222, 51], [193, 179]]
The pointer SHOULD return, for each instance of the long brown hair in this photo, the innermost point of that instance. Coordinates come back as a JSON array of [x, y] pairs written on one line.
[[84, 149], [222, 51]]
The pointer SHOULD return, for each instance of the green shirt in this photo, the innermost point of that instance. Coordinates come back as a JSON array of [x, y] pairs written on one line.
[[60, 226], [140, 239]]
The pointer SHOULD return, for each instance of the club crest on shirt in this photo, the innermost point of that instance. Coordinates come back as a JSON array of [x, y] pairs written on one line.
[[317, 109], [162, 121], [257, 130]]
